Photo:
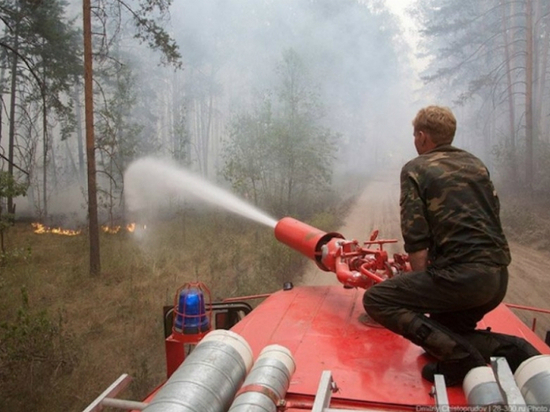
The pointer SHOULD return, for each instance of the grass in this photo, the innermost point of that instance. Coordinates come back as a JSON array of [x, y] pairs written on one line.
[[111, 324]]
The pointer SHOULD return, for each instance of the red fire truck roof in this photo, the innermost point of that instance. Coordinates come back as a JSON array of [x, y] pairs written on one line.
[[325, 328]]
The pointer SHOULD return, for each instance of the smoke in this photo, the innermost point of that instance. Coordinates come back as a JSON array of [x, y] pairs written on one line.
[[356, 56], [357, 61]]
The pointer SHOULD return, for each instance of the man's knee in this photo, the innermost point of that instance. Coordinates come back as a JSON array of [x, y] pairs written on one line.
[[368, 301], [373, 303], [381, 302]]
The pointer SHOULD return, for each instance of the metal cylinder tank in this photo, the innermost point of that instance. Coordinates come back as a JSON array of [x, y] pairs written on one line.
[[533, 380], [267, 382], [209, 378], [481, 387]]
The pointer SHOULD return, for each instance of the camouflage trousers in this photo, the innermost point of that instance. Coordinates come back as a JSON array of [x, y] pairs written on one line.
[[439, 309]]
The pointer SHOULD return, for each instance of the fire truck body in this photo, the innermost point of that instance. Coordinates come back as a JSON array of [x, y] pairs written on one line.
[[340, 359], [325, 328]]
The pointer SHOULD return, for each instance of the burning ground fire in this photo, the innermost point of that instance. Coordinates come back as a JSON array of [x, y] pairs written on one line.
[[40, 229], [130, 227]]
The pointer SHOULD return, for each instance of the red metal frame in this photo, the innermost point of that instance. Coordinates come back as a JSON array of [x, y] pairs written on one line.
[[531, 309], [245, 298]]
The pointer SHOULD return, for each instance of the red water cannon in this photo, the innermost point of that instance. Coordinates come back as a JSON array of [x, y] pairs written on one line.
[[354, 265]]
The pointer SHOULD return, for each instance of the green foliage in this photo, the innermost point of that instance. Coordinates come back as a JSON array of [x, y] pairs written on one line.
[[279, 155], [15, 255], [35, 352], [277, 263], [49, 47], [327, 221], [42, 53], [455, 33], [142, 380], [180, 150], [150, 32], [486, 57], [9, 187], [246, 151], [118, 131], [124, 114], [118, 137]]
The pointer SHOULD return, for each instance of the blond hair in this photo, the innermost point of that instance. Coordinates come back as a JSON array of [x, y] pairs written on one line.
[[438, 122]]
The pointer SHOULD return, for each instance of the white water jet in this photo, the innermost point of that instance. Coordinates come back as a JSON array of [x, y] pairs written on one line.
[[149, 181]]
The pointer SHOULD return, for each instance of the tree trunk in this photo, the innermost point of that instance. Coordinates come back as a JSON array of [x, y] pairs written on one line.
[[93, 226], [45, 158], [529, 100], [511, 142], [70, 158], [45, 148], [1, 115], [209, 125], [13, 96], [541, 48], [79, 139], [2, 72]]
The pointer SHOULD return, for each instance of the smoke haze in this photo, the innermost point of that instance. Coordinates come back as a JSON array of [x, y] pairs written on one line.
[[357, 63]]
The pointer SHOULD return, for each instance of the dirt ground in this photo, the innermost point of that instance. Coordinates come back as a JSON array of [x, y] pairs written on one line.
[[378, 208]]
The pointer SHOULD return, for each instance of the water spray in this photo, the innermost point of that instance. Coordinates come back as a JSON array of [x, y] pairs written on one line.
[[149, 180]]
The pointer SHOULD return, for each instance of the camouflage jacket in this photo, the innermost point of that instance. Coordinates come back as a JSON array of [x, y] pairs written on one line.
[[449, 206]]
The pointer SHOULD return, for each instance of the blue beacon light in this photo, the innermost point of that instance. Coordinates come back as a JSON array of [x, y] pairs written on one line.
[[191, 312]]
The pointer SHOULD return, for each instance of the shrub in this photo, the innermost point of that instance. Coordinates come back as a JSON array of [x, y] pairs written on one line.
[[35, 352]]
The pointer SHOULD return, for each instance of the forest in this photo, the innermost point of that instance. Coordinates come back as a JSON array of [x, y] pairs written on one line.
[[290, 105]]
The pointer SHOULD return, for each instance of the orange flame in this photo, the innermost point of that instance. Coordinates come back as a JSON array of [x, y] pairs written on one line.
[[130, 227], [40, 229], [111, 229]]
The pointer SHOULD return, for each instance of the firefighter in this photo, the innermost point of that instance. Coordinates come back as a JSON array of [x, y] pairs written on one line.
[[458, 252]]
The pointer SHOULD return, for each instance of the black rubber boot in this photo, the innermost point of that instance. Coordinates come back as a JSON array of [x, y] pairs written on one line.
[[490, 344], [453, 371], [455, 354]]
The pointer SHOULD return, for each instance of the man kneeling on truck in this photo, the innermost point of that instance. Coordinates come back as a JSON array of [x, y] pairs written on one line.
[[458, 252]]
